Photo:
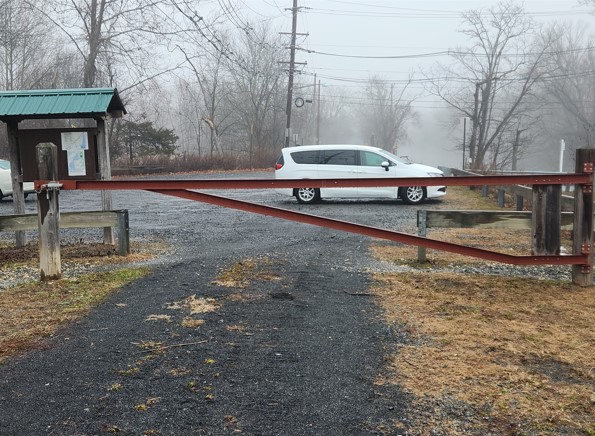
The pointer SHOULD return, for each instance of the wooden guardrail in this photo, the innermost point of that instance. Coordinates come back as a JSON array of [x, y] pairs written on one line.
[[525, 193], [71, 220], [478, 219]]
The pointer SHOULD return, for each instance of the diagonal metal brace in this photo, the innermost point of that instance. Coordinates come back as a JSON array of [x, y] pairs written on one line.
[[375, 232]]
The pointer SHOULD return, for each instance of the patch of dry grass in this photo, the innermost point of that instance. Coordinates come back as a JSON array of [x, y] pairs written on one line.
[[515, 242], [522, 349], [192, 323], [195, 305], [90, 254], [34, 311], [518, 351], [241, 274], [461, 197]]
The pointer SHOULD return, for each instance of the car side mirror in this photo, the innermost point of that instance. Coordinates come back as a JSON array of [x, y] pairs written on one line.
[[385, 165]]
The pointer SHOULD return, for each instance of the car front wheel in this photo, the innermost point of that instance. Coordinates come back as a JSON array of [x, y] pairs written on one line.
[[413, 194], [307, 195]]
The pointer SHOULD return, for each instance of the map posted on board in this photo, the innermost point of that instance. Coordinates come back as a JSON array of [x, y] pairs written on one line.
[[75, 144]]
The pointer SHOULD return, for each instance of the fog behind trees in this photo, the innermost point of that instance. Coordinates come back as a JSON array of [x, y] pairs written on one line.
[[215, 85]]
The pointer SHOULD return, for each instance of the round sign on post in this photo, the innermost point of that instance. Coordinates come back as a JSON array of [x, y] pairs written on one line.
[[299, 102]]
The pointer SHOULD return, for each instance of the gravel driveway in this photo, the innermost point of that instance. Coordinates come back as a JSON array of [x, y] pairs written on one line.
[[297, 355]]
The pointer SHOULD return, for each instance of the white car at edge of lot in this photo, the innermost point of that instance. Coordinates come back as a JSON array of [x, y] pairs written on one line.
[[352, 161], [6, 182]]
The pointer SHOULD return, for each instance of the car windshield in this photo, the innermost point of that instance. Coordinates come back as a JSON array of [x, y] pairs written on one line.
[[4, 164], [395, 158]]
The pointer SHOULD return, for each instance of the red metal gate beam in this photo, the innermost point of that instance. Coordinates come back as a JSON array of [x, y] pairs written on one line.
[[539, 179], [373, 231]]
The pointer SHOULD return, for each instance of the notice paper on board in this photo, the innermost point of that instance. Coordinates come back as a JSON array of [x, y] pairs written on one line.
[[75, 144]]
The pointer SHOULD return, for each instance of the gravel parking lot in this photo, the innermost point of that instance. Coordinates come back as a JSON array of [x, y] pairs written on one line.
[[297, 354]]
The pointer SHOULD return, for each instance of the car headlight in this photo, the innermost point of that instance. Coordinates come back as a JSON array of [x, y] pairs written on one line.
[[435, 174]]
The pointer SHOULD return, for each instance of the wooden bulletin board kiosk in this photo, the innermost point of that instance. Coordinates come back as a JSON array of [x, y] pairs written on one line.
[[83, 153]]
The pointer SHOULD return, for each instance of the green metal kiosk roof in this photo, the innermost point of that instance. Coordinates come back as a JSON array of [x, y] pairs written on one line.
[[60, 103]]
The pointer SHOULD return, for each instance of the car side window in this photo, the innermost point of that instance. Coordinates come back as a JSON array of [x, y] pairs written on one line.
[[306, 157], [370, 159], [339, 157]]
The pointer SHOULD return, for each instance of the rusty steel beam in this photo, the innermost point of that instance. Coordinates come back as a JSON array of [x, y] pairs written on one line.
[[543, 179], [373, 231]]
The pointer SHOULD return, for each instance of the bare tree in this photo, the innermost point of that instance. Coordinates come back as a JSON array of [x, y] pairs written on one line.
[[212, 94], [388, 113], [190, 114], [495, 76], [257, 87], [29, 53], [112, 35], [572, 86]]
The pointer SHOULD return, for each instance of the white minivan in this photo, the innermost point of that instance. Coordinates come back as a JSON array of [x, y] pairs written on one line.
[[349, 162], [6, 181]]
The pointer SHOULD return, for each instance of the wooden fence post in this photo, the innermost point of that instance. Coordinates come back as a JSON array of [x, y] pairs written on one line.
[[422, 216], [546, 220], [519, 202], [48, 213], [582, 236], [501, 197], [18, 198], [123, 233]]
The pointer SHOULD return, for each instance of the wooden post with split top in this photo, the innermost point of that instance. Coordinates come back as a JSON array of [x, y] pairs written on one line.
[[48, 213]]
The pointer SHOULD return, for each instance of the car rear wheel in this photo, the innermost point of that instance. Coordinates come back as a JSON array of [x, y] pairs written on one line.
[[413, 194], [307, 195]]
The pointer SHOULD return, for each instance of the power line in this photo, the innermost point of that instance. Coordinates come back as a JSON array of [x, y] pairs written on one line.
[[444, 53], [426, 13], [575, 75], [213, 40]]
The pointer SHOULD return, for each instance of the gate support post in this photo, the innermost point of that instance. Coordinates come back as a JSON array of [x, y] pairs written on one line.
[[546, 220], [48, 214], [582, 236]]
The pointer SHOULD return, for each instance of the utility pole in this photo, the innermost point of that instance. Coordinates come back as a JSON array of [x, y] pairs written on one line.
[[318, 116], [464, 138], [294, 12], [292, 62]]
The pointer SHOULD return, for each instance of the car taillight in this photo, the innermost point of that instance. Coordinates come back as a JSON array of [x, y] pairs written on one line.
[[278, 166]]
